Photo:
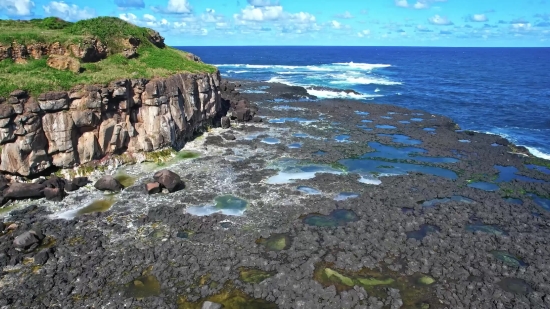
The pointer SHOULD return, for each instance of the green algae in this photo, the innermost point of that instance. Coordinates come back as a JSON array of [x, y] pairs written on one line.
[[126, 180], [230, 202], [146, 285], [416, 290], [275, 242], [229, 298], [96, 206], [254, 275], [375, 282], [508, 258]]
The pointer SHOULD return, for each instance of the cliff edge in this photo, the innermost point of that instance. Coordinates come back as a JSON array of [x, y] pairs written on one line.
[[71, 93]]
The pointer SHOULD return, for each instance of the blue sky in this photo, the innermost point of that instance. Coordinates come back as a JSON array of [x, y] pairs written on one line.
[[313, 22]]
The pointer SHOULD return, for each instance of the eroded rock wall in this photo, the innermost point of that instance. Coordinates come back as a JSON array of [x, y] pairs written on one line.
[[64, 129]]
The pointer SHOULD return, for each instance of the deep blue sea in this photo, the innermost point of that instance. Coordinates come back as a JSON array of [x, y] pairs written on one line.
[[504, 91]]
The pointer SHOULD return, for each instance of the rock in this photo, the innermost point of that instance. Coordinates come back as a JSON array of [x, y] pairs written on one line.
[[152, 188], [242, 114], [25, 240], [24, 191], [108, 183], [129, 53], [155, 38], [226, 122], [257, 119], [211, 305], [193, 57], [18, 94], [54, 194], [2, 226], [63, 63], [4, 183], [229, 137], [88, 148], [169, 180], [80, 181], [6, 111], [54, 182], [70, 187], [53, 101], [42, 257], [12, 227]]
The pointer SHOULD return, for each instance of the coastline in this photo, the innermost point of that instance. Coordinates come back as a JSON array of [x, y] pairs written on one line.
[[292, 169]]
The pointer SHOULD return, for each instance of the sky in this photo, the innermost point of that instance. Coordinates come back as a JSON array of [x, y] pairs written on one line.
[[483, 23]]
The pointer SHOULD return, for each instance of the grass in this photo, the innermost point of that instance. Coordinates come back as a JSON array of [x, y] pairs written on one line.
[[36, 77]]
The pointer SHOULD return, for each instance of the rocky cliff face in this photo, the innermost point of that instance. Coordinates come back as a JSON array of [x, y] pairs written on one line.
[[90, 50], [64, 129]]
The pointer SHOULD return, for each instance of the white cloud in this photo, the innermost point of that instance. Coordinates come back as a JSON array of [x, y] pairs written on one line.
[[147, 20], [421, 5], [402, 3], [439, 20], [336, 25], [252, 13], [178, 7], [479, 18], [521, 26], [17, 7], [174, 7], [261, 3], [364, 33], [149, 17], [69, 12], [345, 15], [210, 16]]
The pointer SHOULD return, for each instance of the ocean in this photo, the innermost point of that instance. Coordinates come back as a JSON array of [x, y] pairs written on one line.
[[504, 91]]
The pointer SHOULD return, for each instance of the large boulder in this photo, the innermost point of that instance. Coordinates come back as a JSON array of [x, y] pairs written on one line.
[[24, 191], [25, 240], [169, 180], [225, 122], [54, 194], [152, 188], [54, 182], [108, 183]]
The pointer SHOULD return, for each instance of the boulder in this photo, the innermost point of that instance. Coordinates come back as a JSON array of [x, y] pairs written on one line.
[[53, 101], [63, 63], [6, 111], [70, 187], [169, 180], [108, 183], [54, 194], [257, 119], [225, 122], [229, 137], [25, 240], [55, 182], [211, 305], [129, 53], [242, 114], [42, 257], [152, 188], [80, 181], [24, 191], [4, 183]]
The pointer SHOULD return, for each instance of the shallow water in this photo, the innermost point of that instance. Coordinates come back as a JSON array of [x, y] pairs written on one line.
[[385, 126], [485, 186], [485, 228], [308, 190], [544, 203], [424, 230], [402, 139], [276, 242], [270, 141], [429, 129], [227, 204], [345, 196], [541, 169], [284, 120], [509, 173], [514, 201], [291, 170], [142, 287], [417, 119], [336, 218], [403, 153], [454, 198], [342, 138], [507, 258]]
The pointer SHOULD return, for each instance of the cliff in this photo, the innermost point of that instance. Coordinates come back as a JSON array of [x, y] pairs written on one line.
[[71, 93], [66, 128]]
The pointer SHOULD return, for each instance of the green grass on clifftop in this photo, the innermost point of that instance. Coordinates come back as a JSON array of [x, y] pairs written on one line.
[[36, 77]]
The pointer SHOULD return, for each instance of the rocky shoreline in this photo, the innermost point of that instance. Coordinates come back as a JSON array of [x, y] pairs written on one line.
[[315, 204]]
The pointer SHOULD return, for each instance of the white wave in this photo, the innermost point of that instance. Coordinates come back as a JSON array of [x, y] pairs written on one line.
[[319, 68], [537, 153], [363, 66], [237, 72], [377, 90], [276, 79], [364, 81], [335, 94]]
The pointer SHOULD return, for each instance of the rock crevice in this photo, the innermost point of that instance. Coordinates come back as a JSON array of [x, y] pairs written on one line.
[[68, 128]]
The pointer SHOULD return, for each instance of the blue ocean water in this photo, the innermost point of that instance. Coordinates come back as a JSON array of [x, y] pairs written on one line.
[[503, 91]]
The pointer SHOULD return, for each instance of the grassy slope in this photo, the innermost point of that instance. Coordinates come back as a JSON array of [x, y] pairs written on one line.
[[36, 77]]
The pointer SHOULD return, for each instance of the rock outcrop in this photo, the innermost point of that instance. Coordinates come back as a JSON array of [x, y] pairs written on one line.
[[89, 50], [67, 128]]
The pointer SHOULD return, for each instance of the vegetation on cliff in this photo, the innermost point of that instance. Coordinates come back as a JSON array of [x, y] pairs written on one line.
[[103, 49]]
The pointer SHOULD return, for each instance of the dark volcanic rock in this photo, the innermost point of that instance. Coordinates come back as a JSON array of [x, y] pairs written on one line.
[[242, 115], [24, 190], [25, 240], [54, 194], [55, 182], [225, 122], [42, 257], [108, 183], [229, 137], [80, 181], [169, 180], [257, 119]]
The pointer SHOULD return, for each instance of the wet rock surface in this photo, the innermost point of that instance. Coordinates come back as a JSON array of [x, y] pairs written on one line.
[[147, 251]]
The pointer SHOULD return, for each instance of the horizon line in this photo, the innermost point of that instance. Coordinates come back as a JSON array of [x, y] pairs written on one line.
[[403, 46]]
